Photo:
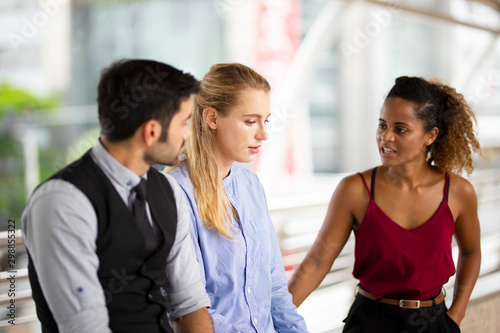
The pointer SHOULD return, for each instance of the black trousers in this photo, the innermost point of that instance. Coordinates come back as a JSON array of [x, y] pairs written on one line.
[[369, 316]]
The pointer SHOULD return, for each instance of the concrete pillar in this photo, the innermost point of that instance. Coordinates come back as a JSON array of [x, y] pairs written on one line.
[[359, 98], [56, 45]]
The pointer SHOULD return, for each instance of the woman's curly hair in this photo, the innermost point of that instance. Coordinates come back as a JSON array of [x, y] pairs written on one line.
[[441, 106]]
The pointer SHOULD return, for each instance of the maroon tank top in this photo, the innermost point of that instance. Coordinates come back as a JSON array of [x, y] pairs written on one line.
[[391, 261]]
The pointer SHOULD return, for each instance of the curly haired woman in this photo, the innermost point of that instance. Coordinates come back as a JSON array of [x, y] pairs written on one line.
[[404, 214]]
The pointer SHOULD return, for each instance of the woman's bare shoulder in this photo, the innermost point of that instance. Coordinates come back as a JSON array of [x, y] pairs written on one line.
[[461, 188], [353, 185]]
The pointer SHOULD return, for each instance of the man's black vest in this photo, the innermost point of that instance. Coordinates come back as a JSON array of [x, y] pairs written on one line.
[[133, 286]]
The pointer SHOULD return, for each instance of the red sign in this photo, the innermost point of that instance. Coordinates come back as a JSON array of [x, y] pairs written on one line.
[[278, 37]]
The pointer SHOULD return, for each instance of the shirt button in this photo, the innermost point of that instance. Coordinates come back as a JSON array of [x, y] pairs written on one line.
[[249, 290], [255, 320]]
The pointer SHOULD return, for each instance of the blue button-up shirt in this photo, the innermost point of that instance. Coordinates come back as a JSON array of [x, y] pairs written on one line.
[[244, 277]]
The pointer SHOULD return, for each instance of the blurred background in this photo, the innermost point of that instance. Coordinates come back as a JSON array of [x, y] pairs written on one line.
[[330, 64]]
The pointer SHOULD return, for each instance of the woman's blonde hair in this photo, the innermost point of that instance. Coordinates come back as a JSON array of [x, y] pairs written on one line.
[[220, 90]]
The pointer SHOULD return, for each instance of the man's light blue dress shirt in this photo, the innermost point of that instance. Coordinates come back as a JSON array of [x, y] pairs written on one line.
[[244, 277]]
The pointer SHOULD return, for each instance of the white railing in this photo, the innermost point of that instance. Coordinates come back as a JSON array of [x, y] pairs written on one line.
[[297, 220]]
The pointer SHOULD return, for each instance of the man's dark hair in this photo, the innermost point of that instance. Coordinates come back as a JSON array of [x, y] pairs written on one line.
[[132, 92]]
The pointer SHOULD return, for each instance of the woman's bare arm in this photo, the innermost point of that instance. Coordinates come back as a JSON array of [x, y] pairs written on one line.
[[331, 238], [467, 235]]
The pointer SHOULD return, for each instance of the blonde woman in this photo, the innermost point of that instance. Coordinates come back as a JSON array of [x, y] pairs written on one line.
[[232, 231]]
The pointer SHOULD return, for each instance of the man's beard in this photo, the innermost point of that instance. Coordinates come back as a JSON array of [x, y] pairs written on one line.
[[177, 157]]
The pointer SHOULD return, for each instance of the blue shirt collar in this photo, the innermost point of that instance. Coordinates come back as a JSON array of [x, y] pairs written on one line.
[[113, 169]]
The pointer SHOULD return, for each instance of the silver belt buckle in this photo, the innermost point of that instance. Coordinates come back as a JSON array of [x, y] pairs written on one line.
[[402, 304]]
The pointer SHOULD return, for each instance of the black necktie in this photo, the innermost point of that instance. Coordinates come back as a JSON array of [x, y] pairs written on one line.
[[141, 217]]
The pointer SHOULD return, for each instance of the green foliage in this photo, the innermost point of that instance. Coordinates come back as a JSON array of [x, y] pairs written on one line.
[[12, 193], [8, 147], [48, 156], [13, 99]]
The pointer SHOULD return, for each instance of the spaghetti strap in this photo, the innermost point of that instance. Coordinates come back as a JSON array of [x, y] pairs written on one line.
[[366, 185], [374, 173], [446, 186]]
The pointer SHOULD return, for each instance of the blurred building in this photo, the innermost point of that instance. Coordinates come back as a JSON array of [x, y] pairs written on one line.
[[330, 62]]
